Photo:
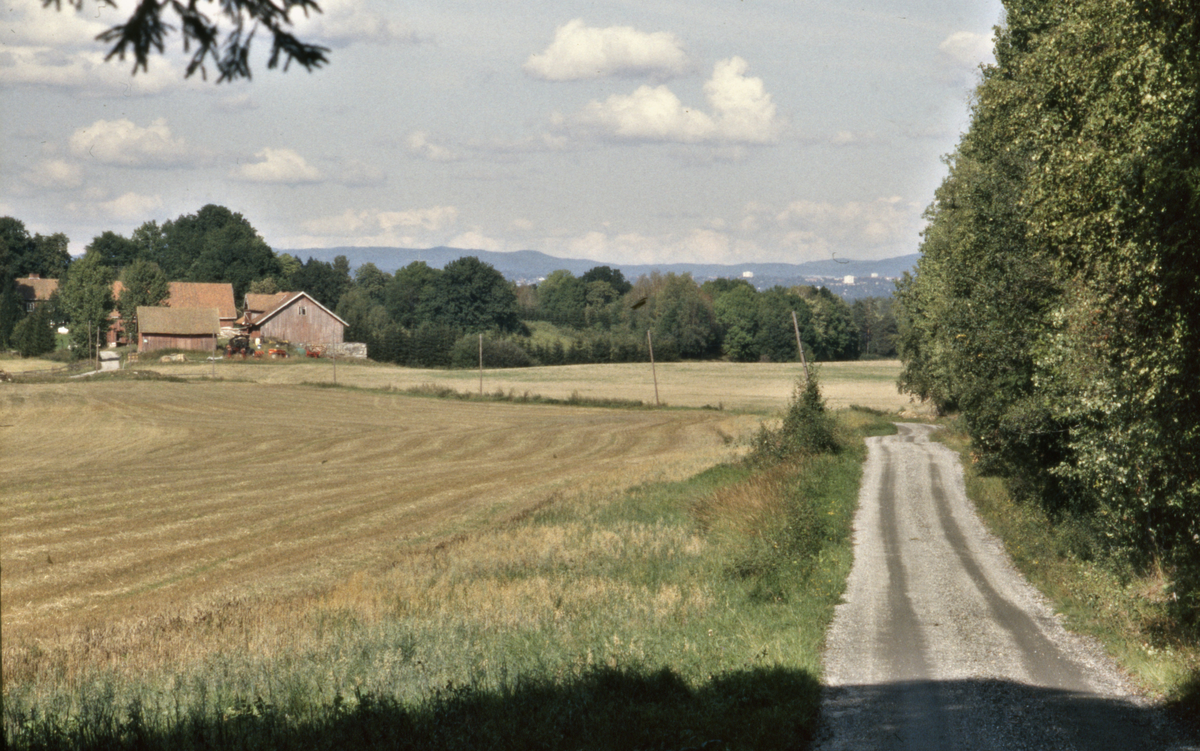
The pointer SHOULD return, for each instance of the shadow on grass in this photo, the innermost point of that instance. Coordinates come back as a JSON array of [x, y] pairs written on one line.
[[602, 709], [991, 713], [1184, 705]]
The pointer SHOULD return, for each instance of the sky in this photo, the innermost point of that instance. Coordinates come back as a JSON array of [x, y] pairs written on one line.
[[725, 131]]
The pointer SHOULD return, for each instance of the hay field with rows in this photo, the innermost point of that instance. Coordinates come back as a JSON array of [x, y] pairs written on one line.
[[128, 499], [262, 562]]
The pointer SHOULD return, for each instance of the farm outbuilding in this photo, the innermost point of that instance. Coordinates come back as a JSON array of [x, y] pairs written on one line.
[[178, 328], [206, 295], [35, 291], [296, 318]]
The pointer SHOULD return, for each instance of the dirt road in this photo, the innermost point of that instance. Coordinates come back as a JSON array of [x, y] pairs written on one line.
[[940, 644]]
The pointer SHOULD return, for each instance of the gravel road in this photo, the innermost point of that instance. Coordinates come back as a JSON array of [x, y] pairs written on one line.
[[941, 644]]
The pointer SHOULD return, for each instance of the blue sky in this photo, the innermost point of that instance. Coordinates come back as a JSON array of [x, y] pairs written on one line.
[[638, 132]]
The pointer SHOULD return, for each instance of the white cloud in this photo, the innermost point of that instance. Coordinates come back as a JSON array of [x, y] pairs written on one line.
[[651, 114], [410, 228], [579, 51], [55, 174], [861, 224], [420, 145], [853, 138], [123, 143], [434, 218], [130, 206], [84, 72], [282, 166], [53, 48], [699, 245], [346, 22], [968, 49], [474, 240], [367, 223], [28, 24], [742, 112]]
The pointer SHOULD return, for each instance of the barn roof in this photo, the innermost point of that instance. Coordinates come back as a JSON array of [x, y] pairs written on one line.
[[34, 288], [261, 303], [292, 298], [179, 321], [203, 295]]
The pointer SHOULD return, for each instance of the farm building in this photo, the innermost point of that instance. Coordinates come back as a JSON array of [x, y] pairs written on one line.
[[257, 304], [34, 290], [178, 328], [206, 295], [296, 318]]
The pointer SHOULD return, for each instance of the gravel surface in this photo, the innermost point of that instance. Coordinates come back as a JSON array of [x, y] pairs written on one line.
[[941, 644]]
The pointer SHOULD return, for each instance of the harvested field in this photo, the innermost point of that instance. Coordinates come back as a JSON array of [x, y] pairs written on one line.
[[134, 498], [754, 387]]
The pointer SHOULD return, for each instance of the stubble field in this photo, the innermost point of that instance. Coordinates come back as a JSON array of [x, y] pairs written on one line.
[[132, 498], [258, 561]]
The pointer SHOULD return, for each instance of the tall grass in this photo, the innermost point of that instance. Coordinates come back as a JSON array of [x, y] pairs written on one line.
[[673, 615]]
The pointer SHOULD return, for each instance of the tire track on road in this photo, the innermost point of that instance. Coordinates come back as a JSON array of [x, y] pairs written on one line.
[[940, 644]]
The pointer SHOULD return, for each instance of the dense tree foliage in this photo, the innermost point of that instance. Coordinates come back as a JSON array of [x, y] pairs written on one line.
[[423, 316], [875, 320], [85, 298], [113, 250], [1055, 301], [143, 283], [34, 334]]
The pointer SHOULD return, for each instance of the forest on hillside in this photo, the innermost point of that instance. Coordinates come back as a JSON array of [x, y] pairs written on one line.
[[432, 317], [1055, 302]]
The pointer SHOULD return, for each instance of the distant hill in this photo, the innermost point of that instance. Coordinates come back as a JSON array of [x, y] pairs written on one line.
[[530, 265]]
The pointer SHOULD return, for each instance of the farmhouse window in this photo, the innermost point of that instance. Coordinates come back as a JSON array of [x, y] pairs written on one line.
[[301, 310]]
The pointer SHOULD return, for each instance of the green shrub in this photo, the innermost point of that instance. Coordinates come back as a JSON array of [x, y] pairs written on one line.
[[807, 429]]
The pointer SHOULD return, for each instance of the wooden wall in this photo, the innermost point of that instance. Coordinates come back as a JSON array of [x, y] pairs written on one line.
[[151, 342], [314, 326]]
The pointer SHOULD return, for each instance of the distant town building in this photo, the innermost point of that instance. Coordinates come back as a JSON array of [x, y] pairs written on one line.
[[747, 274], [874, 275], [847, 280]]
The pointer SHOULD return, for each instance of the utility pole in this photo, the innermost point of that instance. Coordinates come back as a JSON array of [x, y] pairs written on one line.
[[653, 369], [800, 347]]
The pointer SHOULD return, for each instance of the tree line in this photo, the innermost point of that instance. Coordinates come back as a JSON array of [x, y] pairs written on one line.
[[1055, 302], [426, 316]]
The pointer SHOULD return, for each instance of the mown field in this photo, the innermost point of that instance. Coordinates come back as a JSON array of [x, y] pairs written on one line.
[[253, 561], [128, 498], [757, 387]]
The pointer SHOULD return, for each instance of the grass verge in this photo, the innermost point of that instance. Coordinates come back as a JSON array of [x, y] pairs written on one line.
[[687, 614], [1130, 614]]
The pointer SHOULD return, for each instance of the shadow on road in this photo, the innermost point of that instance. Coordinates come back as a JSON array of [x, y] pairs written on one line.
[[1003, 714]]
